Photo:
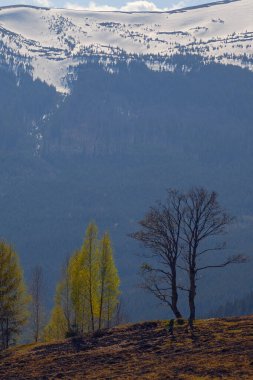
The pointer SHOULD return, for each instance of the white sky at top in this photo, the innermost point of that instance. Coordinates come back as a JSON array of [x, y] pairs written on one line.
[[123, 5]]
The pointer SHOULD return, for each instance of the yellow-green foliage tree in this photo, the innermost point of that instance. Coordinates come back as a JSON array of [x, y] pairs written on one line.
[[13, 296], [64, 294], [84, 269], [79, 292], [87, 296], [58, 325], [109, 283], [90, 265]]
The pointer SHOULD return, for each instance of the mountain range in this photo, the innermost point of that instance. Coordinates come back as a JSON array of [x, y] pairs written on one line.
[[100, 112], [54, 41]]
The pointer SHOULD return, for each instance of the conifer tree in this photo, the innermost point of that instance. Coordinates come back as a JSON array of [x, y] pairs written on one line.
[[13, 296], [109, 282]]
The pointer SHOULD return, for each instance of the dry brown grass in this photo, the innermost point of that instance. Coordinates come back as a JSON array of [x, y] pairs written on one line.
[[221, 349]]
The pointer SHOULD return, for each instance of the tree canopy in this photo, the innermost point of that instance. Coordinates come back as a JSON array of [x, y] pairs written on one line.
[[13, 296]]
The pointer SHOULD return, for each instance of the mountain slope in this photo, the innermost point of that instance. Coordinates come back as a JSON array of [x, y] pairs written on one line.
[[221, 348], [50, 42], [108, 150]]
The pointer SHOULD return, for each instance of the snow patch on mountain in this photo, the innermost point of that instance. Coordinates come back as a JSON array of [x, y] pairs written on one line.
[[52, 42]]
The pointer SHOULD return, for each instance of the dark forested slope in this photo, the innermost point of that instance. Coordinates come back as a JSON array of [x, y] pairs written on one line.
[[110, 149]]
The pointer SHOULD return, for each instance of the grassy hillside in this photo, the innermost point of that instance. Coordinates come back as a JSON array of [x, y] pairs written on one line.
[[221, 348]]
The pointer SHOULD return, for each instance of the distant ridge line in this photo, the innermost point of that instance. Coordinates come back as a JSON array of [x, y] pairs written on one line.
[[179, 10], [24, 6]]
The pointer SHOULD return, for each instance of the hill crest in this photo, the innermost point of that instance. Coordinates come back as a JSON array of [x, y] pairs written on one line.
[[220, 348]]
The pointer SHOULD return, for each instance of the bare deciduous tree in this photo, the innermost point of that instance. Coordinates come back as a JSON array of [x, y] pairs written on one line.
[[160, 232], [204, 220], [179, 234], [120, 315]]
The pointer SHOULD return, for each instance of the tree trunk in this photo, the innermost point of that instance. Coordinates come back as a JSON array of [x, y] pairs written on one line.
[[91, 311], [7, 334], [174, 294], [108, 313], [37, 324], [101, 305], [192, 294], [90, 289]]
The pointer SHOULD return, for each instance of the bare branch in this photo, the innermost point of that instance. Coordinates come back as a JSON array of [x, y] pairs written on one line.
[[238, 259], [161, 234]]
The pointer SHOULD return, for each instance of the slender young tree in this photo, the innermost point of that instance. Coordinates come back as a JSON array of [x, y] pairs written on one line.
[[89, 262], [79, 292], [64, 294], [60, 323], [203, 221], [13, 296], [120, 315], [109, 282], [57, 326], [160, 232], [37, 308]]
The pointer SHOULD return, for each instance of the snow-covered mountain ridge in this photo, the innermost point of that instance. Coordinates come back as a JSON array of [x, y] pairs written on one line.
[[53, 41]]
